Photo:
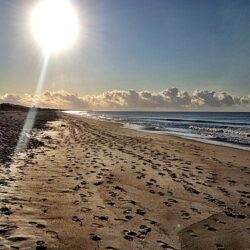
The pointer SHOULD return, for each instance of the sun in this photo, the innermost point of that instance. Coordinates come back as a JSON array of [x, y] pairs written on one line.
[[54, 24]]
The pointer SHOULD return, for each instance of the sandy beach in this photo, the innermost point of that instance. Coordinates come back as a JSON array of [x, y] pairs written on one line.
[[91, 184]]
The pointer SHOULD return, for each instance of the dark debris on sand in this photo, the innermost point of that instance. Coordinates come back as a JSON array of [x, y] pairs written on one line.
[[11, 125]]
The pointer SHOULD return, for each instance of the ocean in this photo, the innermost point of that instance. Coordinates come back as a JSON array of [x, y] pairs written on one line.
[[223, 128]]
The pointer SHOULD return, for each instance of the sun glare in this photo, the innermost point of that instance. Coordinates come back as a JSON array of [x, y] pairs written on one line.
[[54, 25]]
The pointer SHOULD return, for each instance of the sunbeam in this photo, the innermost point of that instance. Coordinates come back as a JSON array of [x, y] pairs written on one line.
[[31, 116], [54, 24]]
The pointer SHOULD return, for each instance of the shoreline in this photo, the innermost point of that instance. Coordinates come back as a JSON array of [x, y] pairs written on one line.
[[130, 126], [173, 136], [95, 185], [206, 141]]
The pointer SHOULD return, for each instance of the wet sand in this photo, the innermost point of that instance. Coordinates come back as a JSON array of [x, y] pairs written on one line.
[[95, 185]]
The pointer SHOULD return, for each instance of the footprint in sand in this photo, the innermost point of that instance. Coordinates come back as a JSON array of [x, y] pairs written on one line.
[[129, 235], [152, 222], [5, 229], [165, 245], [170, 202], [85, 209], [220, 247], [40, 226], [76, 219], [209, 228], [218, 221], [103, 218], [5, 210], [111, 203], [129, 217], [185, 215], [17, 238], [53, 234], [95, 237], [143, 231], [40, 245], [192, 234], [140, 212]]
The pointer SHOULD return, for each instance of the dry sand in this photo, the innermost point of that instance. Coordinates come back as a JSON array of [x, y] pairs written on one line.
[[95, 185]]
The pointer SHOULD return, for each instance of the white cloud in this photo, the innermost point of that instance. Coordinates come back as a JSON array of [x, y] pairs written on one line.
[[11, 98], [171, 98]]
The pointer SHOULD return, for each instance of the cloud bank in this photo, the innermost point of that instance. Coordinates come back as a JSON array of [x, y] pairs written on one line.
[[169, 99]]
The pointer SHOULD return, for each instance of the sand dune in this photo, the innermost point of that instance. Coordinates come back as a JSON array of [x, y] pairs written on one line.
[[94, 185]]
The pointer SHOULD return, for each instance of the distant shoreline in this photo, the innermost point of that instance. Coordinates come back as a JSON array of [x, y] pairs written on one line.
[[152, 131]]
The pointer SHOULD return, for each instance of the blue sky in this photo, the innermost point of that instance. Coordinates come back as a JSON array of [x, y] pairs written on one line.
[[128, 44]]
